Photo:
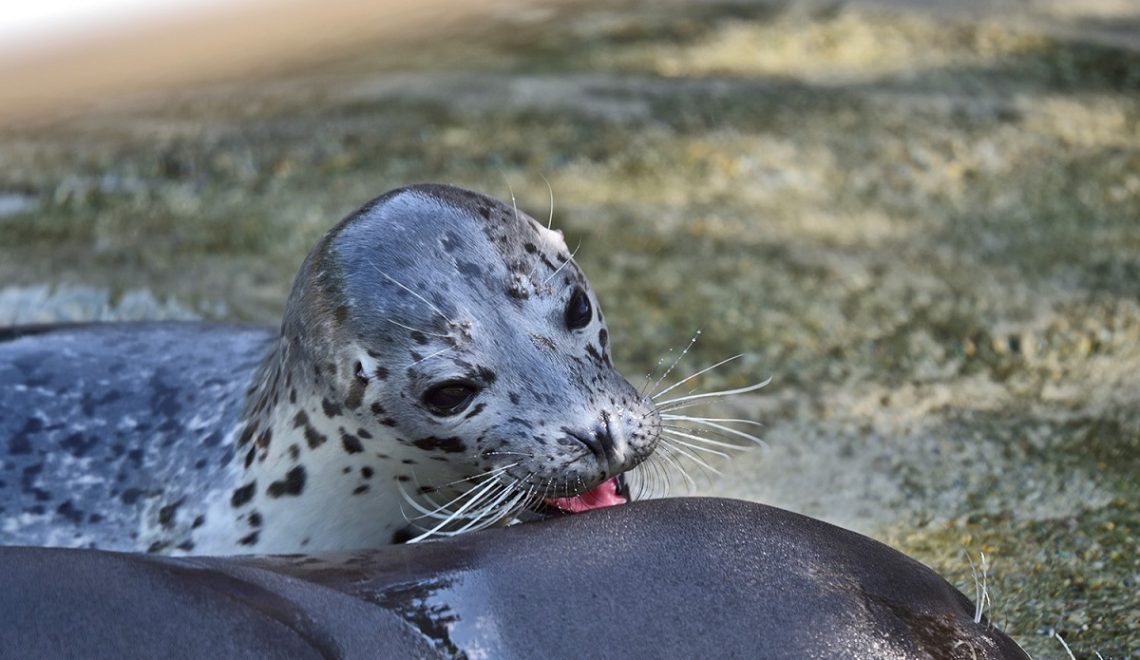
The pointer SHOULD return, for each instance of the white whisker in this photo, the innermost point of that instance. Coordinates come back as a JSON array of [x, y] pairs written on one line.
[[556, 270], [669, 404], [676, 440], [702, 371], [666, 453], [712, 419], [408, 327], [681, 355], [435, 354], [549, 189], [708, 441], [728, 429], [405, 288], [691, 457]]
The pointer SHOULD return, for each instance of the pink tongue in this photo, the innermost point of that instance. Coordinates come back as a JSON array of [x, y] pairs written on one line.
[[603, 495]]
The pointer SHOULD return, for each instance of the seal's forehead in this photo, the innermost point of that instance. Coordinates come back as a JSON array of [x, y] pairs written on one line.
[[413, 218], [509, 230], [443, 241]]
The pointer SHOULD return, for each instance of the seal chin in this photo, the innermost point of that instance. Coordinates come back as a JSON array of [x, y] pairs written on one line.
[[611, 492]]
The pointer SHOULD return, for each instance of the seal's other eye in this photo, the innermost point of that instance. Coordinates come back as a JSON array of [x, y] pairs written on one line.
[[450, 397], [578, 310]]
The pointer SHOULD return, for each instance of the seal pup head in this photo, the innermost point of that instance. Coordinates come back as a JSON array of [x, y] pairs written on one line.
[[459, 332]]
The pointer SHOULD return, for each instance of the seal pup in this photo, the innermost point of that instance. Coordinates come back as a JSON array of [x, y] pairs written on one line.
[[442, 359], [734, 579]]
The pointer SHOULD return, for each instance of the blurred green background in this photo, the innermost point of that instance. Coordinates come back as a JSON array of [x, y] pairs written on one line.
[[924, 226]]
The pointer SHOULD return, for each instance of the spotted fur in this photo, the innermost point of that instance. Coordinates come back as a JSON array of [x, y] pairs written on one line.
[[179, 438]]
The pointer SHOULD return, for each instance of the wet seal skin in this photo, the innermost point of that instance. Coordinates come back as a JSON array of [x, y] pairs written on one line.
[[733, 579], [442, 366]]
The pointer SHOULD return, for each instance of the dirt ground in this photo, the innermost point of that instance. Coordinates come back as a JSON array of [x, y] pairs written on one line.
[[924, 227]]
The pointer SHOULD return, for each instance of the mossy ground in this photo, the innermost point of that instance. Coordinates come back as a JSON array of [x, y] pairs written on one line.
[[927, 231]]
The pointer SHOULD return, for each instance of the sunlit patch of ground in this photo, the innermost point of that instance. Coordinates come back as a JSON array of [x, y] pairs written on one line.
[[927, 231]]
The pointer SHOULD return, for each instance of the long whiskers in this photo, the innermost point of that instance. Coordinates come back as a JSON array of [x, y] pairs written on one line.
[[681, 382], [669, 404], [493, 498]]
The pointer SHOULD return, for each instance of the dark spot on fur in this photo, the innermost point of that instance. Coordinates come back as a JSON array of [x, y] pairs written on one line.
[[469, 270], [75, 444], [130, 496], [366, 472], [525, 423], [265, 438], [450, 445], [419, 337], [355, 395], [351, 442], [294, 452], [186, 546], [380, 372], [249, 455], [475, 411], [451, 241], [250, 539], [599, 358], [313, 437], [331, 409], [293, 483], [341, 314], [246, 434], [166, 514], [403, 477], [514, 398], [388, 421], [487, 375], [603, 338], [243, 495], [301, 419], [364, 434], [292, 395], [157, 546], [68, 510], [255, 519], [198, 522], [359, 490]]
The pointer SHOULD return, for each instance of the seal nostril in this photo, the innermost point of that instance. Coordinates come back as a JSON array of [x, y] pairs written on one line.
[[599, 441]]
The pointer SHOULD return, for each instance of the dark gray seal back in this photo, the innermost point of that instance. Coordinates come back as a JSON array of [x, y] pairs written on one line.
[[681, 578], [99, 421]]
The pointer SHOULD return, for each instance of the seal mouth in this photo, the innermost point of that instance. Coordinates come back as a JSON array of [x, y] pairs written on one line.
[[611, 492]]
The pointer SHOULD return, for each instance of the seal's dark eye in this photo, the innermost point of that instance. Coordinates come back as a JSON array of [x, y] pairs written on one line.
[[450, 398], [578, 310]]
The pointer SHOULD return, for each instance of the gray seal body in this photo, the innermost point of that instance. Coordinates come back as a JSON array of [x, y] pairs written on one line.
[[442, 365], [104, 426], [681, 578]]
